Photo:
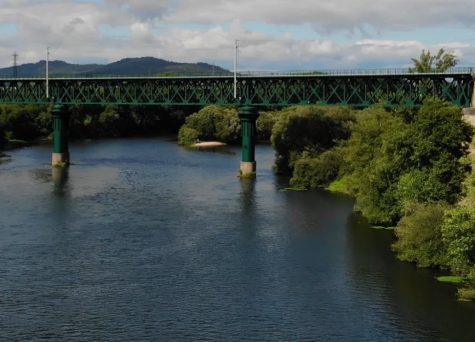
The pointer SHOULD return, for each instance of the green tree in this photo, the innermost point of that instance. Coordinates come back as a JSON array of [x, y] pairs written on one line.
[[392, 163], [265, 123], [420, 237], [372, 169], [458, 234], [440, 62], [309, 129], [20, 122], [211, 122], [317, 172]]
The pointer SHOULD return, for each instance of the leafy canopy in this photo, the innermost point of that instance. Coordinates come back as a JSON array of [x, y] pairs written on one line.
[[440, 62]]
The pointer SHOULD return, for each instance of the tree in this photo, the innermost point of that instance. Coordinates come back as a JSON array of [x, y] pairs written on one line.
[[437, 63], [211, 122], [458, 234], [419, 235], [308, 131], [391, 163]]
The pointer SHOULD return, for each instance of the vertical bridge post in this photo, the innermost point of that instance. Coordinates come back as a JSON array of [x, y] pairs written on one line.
[[471, 109], [60, 136], [248, 116], [473, 91]]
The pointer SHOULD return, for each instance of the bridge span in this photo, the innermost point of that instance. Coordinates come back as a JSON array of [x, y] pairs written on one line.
[[254, 91]]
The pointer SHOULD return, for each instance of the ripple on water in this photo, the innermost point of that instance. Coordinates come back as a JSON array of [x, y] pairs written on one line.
[[142, 240]]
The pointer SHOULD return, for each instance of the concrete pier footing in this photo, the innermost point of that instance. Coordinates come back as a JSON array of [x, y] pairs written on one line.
[[60, 159], [248, 169]]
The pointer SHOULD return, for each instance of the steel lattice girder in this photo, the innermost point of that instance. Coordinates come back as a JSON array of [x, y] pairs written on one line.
[[360, 91]]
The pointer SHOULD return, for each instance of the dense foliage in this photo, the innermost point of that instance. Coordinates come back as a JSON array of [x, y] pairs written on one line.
[[306, 132], [420, 236], [25, 122], [31, 122], [440, 62], [394, 161], [211, 123]]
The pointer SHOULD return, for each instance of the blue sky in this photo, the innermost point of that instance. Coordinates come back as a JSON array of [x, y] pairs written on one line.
[[273, 34]]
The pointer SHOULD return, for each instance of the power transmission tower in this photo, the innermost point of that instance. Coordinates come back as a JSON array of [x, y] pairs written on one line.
[[15, 65]]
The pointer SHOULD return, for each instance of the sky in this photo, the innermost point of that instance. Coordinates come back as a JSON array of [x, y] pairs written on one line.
[[271, 34]]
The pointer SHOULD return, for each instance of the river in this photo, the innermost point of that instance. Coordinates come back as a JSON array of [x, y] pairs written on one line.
[[142, 240]]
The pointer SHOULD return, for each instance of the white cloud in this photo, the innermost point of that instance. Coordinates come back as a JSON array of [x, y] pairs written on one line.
[[193, 31], [331, 15]]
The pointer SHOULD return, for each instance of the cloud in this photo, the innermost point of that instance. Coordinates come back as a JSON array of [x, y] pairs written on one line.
[[330, 16], [205, 30]]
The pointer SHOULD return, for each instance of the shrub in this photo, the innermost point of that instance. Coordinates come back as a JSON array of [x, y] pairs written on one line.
[[420, 237], [317, 172], [20, 122], [187, 136], [392, 163], [265, 123], [310, 129], [213, 122], [458, 234]]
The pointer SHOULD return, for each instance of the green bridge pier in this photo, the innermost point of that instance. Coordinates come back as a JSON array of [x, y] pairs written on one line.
[[60, 157], [248, 116]]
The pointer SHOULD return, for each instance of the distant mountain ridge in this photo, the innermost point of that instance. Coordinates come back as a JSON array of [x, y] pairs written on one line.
[[149, 66]]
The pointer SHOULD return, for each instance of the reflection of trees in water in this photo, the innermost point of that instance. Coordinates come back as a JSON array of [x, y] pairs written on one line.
[[421, 305], [5, 158]]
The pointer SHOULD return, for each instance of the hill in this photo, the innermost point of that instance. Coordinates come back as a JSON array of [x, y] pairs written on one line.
[[147, 66]]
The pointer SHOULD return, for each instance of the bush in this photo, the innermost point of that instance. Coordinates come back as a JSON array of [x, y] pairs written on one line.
[[372, 168], [212, 123], [420, 237], [392, 163], [317, 172], [308, 129], [187, 136], [20, 122], [265, 123], [458, 234]]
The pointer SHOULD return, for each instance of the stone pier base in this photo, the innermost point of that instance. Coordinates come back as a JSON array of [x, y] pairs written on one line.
[[248, 170], [60, 159]]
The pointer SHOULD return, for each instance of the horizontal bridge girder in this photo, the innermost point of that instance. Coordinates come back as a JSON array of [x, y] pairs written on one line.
[[355, 90]]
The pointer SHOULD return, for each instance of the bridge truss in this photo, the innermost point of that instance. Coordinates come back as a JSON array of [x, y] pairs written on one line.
[[408, 90]]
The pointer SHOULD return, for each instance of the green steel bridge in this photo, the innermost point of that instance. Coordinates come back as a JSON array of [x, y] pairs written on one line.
[[261, 90], [254, 90]]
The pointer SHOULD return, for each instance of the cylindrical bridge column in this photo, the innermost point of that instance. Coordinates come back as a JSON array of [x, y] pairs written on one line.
[[248, 116], [60, 136]]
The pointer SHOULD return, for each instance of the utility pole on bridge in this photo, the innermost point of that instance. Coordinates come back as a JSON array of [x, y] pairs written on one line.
[[15, 66], [47, 72]]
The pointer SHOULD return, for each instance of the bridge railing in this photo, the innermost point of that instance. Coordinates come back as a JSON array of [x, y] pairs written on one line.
[[354, 72], [259, 73]]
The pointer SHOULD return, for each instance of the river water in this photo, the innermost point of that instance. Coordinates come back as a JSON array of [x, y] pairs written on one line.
[[145, 241]]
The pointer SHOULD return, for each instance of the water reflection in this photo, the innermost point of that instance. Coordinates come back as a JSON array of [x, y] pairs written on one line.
[[401, 290], [60, 177], [5, 158], [248, 206]]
